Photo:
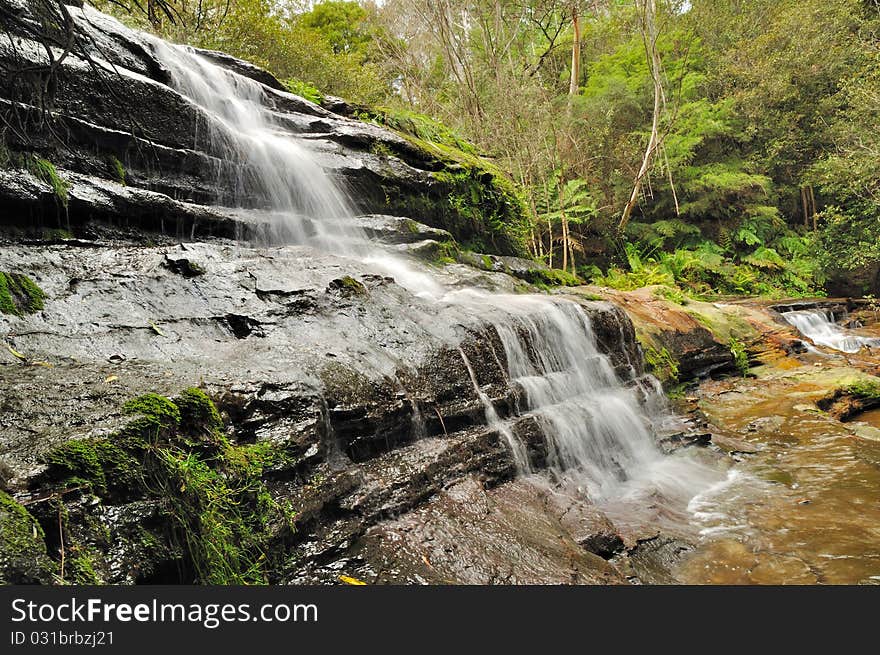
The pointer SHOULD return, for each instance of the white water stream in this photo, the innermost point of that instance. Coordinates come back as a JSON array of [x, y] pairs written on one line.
[[819, 326]]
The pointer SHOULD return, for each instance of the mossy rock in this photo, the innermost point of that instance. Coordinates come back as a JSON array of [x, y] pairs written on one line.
[[23, 556], [477, 201], [213, 509], [198, 415], [661, 364], [849, 400], [551, 277], [19, 295], [347, 287], [99, 465]]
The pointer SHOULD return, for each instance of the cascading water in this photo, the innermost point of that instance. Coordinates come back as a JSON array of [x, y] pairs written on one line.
[[302, 203], [595, 427], [819, 326]]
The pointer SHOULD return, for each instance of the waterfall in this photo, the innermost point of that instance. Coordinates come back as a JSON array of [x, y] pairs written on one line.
[[819, 326], [302, 203], [595, 427]]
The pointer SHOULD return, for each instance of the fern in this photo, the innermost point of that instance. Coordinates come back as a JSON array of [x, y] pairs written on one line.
[[765, 258]]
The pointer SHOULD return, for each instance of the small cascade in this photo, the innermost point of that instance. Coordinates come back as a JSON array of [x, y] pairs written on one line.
[[595, 426], [520, 456], [819, 326]]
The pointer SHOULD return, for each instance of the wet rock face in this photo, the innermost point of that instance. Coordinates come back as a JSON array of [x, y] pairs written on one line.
[[359, 384], [517, 533]]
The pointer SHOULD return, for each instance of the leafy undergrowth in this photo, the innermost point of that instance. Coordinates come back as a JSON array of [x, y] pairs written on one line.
[[217, 514], [674, 253], [304, 90]]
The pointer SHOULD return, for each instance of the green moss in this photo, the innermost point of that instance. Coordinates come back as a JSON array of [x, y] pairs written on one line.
[[740, 356], [118, 170], [20, 295], [552, 277], [348, 286], [157, 416], [77, 463], [45, 170], [482, 208], [98, 464], [197, 412], [80, 566], [418, 126], [23, 556], [487, 262], [866, 388], [219, 514], [662, 365]]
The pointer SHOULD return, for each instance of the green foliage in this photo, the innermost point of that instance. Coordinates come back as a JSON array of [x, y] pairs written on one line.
[[342, 23], [706, 268], [304, 90], [20, 295], [118, 170], [740, 356], [742, 129], [45, 170], [672, 294]]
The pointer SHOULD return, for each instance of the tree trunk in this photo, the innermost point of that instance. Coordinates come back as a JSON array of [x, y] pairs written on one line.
[[650, 27], [564, 224], [574, 82], [153, 15], [806, 210], [813, 208]]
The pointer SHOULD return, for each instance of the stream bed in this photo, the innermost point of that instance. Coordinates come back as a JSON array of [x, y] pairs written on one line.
[[803, 508]]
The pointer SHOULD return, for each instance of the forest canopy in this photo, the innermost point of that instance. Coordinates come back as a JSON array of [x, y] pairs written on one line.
[[722, 146]]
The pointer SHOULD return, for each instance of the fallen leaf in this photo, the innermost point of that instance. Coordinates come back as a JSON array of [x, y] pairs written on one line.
[[156, 329], [15, 353], [111, 378], [352, 581]]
